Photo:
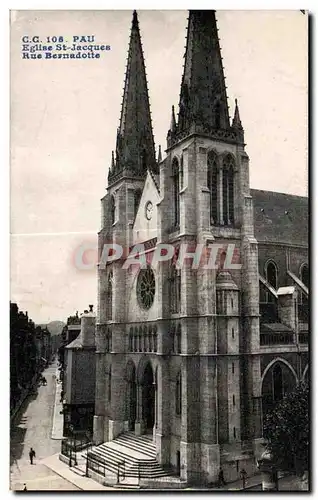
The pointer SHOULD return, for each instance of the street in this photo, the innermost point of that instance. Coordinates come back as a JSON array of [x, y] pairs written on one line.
[[32, 428]]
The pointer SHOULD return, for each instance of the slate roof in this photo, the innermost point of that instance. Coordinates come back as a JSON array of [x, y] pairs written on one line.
[[275, 328], [280, 217]]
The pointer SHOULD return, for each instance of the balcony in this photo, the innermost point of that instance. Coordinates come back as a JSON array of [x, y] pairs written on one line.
[[276, 339], [303, 337]]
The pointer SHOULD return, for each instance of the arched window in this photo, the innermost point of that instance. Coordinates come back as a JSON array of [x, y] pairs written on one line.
[[175, 289], [181, 172], [176, 191], [137, 196], [113, 209], [277, 383], [173, 335], [178, 339], [178, 394], [228, 190], [213, 186], [155, 339], [271, 277], [109, 297]]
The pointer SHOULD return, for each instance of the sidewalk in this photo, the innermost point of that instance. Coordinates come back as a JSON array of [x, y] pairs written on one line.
[[74, 475], [57, 424], [251, 483]]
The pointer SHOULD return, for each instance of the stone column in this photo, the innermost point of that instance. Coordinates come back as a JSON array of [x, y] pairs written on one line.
[[163, 413], [100, 397], [190, 446], [139, 424]]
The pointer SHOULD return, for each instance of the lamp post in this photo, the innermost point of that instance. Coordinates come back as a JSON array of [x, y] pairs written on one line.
[[269, 472], [71, 430]]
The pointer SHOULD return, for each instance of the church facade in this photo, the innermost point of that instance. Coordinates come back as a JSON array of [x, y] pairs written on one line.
[[196, 355]]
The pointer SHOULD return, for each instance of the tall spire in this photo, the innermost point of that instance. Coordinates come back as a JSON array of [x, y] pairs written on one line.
[[203, 99], [135, 150]]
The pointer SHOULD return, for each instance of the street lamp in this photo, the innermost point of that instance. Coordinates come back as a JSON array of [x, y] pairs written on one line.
[[71, 430], [269, 472]]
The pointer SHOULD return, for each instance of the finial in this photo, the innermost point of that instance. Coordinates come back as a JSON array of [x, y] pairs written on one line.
[[159, 154], [113, 160], [236, 120], [135, 19], [173, 121]]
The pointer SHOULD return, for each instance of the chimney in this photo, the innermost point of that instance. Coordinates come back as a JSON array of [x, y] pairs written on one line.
[[90, 308]]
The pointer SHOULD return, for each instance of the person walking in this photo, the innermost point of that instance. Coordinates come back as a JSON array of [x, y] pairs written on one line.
[[243, 475], [25, 487], [221, 480], [31, 455]]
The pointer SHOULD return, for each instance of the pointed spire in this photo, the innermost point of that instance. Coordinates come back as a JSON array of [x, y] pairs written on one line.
[[236, 123], [203, 99], [159, 154], [135, 149], [173, 125]]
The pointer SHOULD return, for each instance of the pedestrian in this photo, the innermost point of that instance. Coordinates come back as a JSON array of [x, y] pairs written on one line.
[[221, 480], [243, 475], [25, 487], [31, 455]]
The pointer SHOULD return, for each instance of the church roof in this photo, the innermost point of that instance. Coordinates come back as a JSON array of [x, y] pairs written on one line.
[[280, 217], [275, 328]]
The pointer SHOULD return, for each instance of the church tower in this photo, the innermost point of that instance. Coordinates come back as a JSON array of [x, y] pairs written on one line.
[[177, 344], [135, 155], [206, 200]]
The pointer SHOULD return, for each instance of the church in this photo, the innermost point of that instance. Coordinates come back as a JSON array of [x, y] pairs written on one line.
[[194, 357]]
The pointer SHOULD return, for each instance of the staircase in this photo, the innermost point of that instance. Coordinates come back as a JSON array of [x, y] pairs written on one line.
[[129, 456]]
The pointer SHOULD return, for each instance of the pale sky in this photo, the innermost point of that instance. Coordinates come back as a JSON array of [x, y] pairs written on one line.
[[64, 116]]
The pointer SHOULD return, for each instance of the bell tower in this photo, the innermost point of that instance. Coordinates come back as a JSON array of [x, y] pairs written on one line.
[[135, 154], [206, 201]]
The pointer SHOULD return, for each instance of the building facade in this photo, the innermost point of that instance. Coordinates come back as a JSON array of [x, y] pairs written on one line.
[[79, 374], [196, 354]]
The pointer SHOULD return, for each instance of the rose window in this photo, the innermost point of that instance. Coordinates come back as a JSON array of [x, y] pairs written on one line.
[[146, 287]]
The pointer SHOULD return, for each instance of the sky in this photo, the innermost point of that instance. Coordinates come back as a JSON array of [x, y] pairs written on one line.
[[65, 113]]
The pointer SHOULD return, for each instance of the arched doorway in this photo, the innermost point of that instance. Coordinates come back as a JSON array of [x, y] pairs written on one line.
[[148, 398], [278, 379], [132, 395]]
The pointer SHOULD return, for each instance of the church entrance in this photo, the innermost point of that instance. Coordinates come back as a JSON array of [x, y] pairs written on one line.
[[148, 398], [132, 387]]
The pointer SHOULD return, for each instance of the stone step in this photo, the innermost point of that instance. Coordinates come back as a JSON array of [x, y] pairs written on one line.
[[134, 444], [138, 453]]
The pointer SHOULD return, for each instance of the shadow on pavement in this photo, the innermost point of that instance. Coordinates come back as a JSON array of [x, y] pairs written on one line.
[[18, 429]]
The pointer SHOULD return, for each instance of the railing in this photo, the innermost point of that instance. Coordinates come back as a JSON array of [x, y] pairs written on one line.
[[276, 338], [303, 338]]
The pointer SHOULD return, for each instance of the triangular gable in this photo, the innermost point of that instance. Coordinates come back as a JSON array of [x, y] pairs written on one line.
[[145, 225]]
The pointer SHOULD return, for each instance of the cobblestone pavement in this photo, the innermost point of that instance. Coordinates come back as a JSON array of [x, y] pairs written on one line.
[[32, 427]]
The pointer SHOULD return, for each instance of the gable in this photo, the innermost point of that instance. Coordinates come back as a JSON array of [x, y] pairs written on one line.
[[145, 225]]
